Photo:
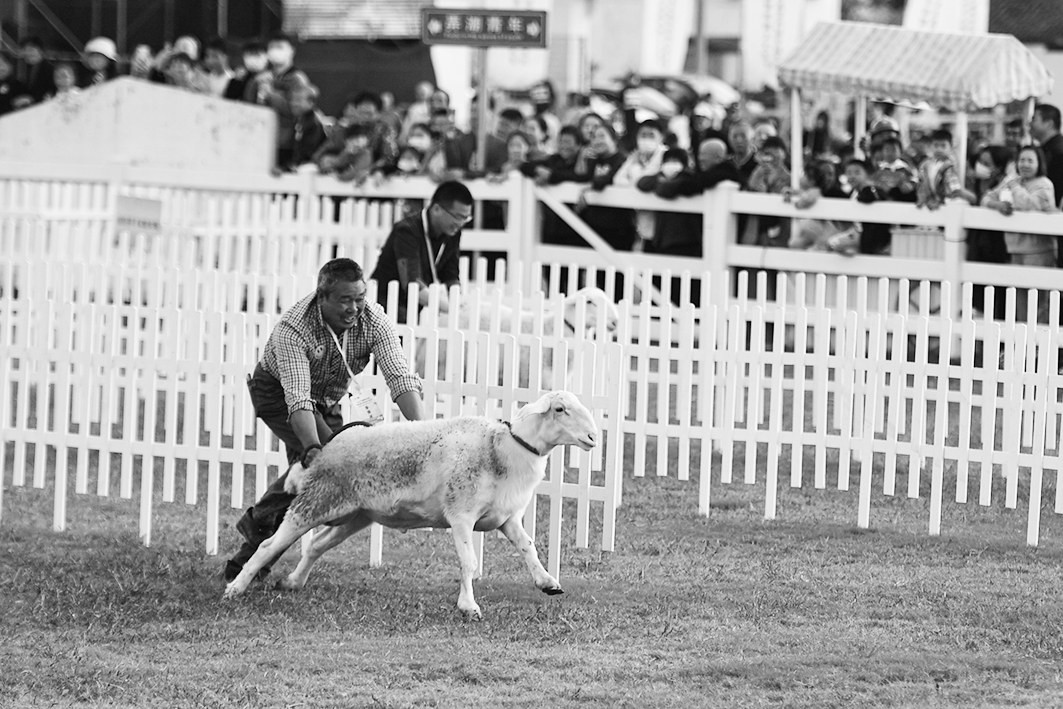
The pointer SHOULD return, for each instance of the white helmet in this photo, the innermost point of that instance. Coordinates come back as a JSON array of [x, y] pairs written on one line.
[[104, 46]]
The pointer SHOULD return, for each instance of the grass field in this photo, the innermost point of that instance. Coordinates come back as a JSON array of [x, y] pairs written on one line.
[[729, 611]]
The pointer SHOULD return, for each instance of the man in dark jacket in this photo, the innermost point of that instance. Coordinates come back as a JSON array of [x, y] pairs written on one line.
[[1044, 128], [35, 71], [424, 247]]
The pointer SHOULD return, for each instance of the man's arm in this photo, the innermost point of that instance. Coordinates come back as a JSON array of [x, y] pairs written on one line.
[[407, 245], [304, 425], [410, 405]]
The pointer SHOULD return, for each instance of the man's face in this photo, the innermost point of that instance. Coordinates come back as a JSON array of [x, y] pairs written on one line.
[[567, 146], [365, 112], [448, 220], [940, 148], [1039, 127], [215, 60], [343, 304], [739, 138], [31, 54], [439, 100], [505, 127], [1013, 136], [856, 176], [709, 156], [179, 72]]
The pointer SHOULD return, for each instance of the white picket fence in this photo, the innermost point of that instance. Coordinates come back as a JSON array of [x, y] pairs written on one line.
[[121, 389], [728, 374]]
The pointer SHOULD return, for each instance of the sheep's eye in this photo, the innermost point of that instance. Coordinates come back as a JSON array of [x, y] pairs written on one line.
[[559, 409]]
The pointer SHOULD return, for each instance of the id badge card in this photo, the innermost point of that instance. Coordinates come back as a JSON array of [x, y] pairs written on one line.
[[361, 405]]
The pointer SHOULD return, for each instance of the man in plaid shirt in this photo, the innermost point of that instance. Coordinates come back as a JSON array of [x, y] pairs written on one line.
[[304, 373]]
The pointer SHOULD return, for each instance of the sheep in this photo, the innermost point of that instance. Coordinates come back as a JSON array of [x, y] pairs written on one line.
[[468, 473], [601, 319]]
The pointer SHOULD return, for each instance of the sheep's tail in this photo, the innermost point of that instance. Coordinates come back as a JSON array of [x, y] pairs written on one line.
[[293, 483]]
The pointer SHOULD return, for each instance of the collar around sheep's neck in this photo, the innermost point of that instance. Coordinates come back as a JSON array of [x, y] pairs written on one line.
[[524, 444]]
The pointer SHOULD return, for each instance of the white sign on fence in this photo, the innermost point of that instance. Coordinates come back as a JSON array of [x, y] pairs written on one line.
[[138, 215]]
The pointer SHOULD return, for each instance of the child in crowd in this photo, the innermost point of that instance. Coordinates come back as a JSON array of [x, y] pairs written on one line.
[[938, 178]]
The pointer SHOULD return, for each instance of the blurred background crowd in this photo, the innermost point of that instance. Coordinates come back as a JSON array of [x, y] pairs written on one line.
[[625, 138]]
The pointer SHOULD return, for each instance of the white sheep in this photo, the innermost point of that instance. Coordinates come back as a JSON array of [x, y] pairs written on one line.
[[468, 473], [601, 318]]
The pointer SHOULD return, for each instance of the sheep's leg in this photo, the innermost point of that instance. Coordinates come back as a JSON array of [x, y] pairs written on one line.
[[462, 533], [331, 537], [283, 538], [513, 528]]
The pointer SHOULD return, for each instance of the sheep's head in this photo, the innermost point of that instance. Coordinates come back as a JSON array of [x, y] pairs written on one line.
[[601, 315], [563, 420]]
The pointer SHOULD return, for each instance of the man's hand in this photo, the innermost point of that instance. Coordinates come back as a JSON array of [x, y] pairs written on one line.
[[309, 454]]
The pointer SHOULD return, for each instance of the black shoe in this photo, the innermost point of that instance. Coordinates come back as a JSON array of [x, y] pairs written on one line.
[[232, 570], [245, 526]]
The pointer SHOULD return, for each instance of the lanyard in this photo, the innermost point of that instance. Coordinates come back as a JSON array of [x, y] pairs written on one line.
[[428, 245], [342, 349]]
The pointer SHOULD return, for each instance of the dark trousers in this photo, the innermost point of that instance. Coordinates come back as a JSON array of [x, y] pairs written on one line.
[[262, 520]]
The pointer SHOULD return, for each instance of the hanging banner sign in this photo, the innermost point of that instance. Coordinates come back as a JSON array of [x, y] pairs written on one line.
[[484, 28]]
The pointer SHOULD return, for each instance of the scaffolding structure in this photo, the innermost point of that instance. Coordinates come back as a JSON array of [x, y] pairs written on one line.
[[71, 23]]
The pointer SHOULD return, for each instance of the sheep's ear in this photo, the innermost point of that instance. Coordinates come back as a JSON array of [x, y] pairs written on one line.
[[541, 405]]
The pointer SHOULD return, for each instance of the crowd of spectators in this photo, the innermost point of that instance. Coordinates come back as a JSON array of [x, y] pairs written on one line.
[[373, 139]]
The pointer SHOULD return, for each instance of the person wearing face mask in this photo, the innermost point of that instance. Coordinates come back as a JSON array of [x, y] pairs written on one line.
[[992, 166], [645, 160], [274, 88], [244, 84], [1029, 191], [675, 233], [423, 248], [307, 369]]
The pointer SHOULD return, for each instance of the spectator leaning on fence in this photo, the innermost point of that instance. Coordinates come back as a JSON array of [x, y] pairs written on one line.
[[938, 178], [424, 248], [244, 84], [645, 160], [1029, 191], [306, 369]]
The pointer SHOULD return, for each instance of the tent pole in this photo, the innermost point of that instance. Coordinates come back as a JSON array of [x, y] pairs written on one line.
[[797, 148], [860, 127], [961, 138]]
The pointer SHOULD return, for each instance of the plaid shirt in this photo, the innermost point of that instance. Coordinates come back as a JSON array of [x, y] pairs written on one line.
[[304, 358]]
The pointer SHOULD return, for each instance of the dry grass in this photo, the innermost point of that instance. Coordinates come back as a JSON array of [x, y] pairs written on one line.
[[730, 611]]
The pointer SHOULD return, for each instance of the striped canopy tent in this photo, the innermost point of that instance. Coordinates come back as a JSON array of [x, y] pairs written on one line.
[[957, 72]]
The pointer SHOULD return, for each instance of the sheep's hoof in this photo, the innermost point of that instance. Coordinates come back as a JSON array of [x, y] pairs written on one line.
[[473, 615], [231, 592], [286, 584], [553, 590]]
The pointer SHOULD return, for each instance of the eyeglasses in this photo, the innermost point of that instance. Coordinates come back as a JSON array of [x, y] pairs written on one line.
[[460, 218]]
